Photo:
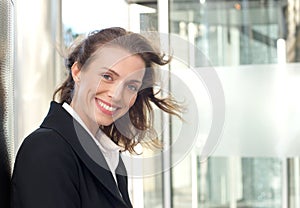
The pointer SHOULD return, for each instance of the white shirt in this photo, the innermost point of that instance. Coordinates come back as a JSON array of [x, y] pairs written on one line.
[[109, 149]]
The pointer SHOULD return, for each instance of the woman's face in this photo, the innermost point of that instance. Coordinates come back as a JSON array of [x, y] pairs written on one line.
[[107, 86]]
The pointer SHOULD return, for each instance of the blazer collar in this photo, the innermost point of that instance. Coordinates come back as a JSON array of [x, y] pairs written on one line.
[[63, 123], [122, 181]]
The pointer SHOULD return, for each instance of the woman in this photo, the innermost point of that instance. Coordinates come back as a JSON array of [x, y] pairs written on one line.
[[105, 106]]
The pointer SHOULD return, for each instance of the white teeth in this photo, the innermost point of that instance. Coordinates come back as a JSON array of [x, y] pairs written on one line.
[[106, 107]]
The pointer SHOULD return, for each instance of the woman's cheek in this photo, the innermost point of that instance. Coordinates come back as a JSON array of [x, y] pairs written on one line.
[[132, 100]]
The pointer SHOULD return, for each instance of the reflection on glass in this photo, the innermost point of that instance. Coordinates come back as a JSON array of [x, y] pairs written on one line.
[[235, 32], [244, 182], [153, 197]]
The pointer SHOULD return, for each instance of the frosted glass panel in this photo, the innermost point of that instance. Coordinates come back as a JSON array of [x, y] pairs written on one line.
[[262, 111]]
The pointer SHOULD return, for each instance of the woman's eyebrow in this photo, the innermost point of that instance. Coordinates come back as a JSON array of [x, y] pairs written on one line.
[[135, 80], [112, 71]]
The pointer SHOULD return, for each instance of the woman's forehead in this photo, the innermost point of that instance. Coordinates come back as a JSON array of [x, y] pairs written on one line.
[[110, 55]]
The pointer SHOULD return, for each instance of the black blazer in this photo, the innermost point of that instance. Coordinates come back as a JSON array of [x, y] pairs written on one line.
[[60, 166]]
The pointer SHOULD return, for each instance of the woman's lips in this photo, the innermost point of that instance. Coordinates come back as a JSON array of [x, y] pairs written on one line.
[[106, 107]]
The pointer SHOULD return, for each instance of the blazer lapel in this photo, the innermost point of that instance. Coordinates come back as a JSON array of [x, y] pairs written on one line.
[[82, 143], [122, 181]]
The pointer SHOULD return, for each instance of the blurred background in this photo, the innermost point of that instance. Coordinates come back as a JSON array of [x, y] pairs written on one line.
[[252, 45]]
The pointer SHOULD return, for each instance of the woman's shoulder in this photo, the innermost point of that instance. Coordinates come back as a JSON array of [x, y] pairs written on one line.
[[44, 158], [44, 143], [44, 137]]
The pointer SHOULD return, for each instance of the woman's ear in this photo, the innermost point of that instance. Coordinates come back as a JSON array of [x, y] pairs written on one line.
[[76, 72]]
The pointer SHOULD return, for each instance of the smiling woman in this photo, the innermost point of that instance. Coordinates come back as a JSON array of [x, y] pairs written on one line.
[[109, 86], [104, 108]]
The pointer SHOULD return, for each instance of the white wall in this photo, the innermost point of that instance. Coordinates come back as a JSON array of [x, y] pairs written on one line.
[[87, 15]]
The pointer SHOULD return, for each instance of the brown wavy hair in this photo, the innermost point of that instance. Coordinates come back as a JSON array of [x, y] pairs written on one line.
[[136, 126]]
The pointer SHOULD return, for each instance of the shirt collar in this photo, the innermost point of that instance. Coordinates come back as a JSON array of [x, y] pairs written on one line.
[[100, 138]]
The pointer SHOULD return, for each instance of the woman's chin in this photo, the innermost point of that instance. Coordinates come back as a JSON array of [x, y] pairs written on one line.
[[104, 123]]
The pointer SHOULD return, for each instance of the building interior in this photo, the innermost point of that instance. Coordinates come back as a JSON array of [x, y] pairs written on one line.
[[236, 64]]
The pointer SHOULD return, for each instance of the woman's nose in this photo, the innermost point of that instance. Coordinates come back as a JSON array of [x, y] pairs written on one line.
[[115, 92]]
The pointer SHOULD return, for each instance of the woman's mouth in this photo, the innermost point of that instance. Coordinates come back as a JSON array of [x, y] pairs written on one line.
[[105, 107]]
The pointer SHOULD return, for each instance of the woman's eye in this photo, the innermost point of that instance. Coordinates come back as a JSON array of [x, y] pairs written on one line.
[[132, 88], [107, 77]]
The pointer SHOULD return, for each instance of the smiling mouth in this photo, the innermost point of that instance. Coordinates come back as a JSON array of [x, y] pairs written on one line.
[[106, 107]]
